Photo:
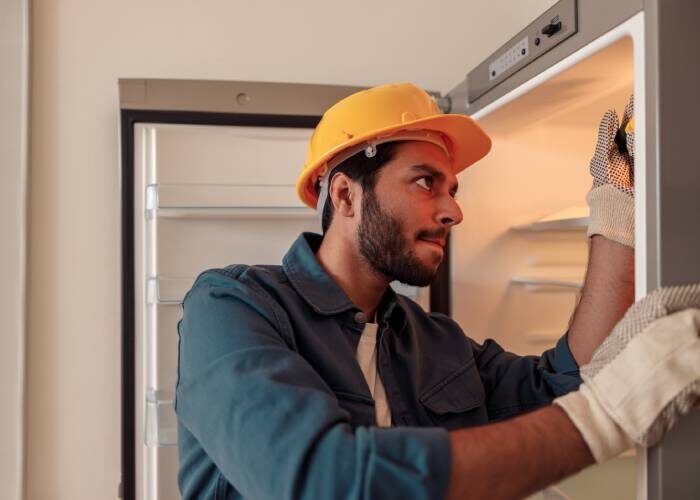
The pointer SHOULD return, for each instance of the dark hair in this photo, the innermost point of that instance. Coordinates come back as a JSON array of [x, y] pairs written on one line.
[[360, 169]]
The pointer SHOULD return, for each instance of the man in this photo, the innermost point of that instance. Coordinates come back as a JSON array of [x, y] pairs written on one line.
[[315, 380]]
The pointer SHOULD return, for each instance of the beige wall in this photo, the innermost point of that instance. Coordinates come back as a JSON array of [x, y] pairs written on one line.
[[80, 49], [13, 181]]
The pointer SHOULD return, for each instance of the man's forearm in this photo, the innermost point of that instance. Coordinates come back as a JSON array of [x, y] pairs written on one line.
[[517, 457], [607, 293]]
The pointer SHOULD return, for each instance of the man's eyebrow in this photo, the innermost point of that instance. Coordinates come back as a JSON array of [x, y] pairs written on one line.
[[435, 173]]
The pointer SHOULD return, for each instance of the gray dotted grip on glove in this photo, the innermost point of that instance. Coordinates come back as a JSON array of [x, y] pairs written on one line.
[[609, 165], [660, 303], [611, 198]]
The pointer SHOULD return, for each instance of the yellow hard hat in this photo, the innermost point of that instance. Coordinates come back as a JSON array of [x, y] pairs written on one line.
[[380, 114]]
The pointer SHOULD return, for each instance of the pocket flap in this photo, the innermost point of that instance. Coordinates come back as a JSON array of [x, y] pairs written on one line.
[[360, 408], [458, 392]]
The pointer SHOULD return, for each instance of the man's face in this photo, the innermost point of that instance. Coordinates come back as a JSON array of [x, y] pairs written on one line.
[[405, 222]]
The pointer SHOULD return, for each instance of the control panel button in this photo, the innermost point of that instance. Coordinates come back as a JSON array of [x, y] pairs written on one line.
[[551, 29]]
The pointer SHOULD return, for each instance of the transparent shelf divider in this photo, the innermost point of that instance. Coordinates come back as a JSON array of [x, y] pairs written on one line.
[[543, 337], [165, 290], [225, 201], [554, 493], [161, 423], [570, 219], [404, 289], [534, 284]]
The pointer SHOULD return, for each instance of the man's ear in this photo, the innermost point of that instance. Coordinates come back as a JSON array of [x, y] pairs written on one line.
[[344, 194]]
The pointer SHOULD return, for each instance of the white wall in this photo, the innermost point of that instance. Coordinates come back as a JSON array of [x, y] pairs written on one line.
[[80, 49], [14, 21]]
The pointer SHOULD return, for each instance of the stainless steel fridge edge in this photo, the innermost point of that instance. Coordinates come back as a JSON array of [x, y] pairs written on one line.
[[673, 171]]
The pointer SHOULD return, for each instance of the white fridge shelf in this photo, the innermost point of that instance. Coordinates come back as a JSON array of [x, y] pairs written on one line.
[[161, 422], [225, 201], [163, 290], [404, 289], [543, 337], [534, 284], [570, 219]]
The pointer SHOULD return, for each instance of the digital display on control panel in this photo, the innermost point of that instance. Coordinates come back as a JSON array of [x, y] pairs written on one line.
[[508, 59]]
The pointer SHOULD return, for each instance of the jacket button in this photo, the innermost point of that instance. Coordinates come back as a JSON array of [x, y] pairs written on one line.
[[360, 317]]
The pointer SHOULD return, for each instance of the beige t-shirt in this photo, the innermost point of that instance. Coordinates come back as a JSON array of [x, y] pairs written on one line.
[[367, 358]]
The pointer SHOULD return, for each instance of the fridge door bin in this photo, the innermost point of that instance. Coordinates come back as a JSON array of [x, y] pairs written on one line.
[[533, 284], [413, 292], [234, 201], [570, 219], [163, 290], [161, 423], [543, 339]]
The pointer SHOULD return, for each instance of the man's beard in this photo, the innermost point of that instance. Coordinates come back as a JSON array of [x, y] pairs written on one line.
[[386, 250]]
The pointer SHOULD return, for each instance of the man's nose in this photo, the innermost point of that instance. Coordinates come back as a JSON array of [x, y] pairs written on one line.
[[450, 213]]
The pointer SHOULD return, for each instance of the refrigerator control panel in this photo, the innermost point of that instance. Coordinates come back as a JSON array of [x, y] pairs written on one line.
[[510, 58], [546, 32]]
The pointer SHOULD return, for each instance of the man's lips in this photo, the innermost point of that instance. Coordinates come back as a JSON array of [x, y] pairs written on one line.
[[437, 242]]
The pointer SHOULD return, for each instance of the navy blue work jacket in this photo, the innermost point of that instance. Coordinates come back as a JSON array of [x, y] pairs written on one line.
[[272, 404]]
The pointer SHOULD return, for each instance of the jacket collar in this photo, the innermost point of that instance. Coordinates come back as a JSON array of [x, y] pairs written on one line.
[[316, 287], [310, 280]]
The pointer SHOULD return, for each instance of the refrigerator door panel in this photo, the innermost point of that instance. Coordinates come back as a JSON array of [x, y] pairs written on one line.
[[672, 232]]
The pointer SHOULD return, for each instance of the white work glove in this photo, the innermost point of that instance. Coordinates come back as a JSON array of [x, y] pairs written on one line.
[[611, 199], [643, 377]]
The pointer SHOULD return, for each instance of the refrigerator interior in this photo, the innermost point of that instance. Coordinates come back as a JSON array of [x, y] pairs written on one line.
[[518, 258]]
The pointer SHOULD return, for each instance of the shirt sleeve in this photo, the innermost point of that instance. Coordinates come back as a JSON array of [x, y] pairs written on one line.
[[270, 424], [516, 384]]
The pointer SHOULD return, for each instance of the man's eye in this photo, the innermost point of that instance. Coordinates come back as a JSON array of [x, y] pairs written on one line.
[[425, 182]]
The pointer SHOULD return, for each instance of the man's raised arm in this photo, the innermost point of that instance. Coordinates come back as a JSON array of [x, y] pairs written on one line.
[[608, 289], [639, 382]]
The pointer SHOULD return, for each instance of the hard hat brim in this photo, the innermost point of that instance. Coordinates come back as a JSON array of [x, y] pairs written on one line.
[[468, 143]]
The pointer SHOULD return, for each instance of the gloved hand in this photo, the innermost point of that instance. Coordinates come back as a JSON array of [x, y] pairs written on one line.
[[643, 377], [611, 199]]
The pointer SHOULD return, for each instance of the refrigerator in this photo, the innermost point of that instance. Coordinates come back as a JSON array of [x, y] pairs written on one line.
[[208, 171]]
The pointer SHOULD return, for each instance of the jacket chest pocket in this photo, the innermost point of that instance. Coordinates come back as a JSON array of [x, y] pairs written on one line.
[[360, 408], [457, 400]]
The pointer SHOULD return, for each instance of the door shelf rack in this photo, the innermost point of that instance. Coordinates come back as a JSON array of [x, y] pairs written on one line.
[[224, 201]]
